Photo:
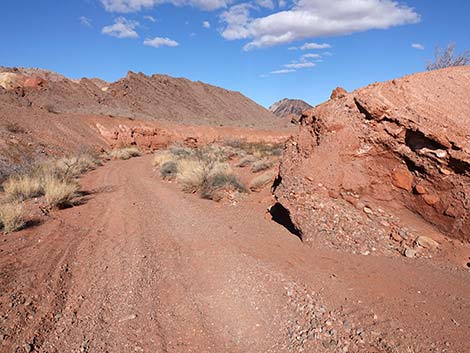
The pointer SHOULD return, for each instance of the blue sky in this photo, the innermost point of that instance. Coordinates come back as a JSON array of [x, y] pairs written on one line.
[[254, 46]]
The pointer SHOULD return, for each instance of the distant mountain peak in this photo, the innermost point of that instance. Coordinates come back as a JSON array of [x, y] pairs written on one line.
[[287, 106]]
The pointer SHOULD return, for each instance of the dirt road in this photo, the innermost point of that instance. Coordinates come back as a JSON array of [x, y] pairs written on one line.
[[143, 267]]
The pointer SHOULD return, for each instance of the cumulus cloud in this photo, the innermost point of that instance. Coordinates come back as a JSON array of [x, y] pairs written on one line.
[[206, 24], [125, 6], [122, 28], [85, 21], [282, 71], [314, 18], [158, 42], [417, 46]]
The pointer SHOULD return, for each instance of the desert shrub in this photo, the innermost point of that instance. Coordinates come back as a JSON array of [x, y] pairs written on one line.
[[215, 168], [124, 153], [261, 165], [23, 187], [161, 157], [74, 166], [262, 180], [245, 161], [277, 151], [191, 174], [235, 143], [215, 185], [59, 192], [168, 170], [11, 216], [447, 58], [180, 151]]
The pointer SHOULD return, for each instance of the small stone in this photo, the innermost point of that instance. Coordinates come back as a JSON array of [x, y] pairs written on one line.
[[445, 171], [440, 153], [367, 210], [402, 233], [403, 179], [426, 242], [431, 199], [420, 189], [451, 211], [410, 253]]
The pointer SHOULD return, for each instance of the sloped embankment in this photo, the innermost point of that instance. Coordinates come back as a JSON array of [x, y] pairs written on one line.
[[398, 146]]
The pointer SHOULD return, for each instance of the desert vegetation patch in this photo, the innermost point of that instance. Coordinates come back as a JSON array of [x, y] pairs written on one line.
[[219, 171]]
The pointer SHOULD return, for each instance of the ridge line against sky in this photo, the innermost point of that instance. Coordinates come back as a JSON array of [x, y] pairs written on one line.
[[267, 49]]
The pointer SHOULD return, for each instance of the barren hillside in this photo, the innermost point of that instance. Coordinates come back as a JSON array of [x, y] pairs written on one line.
[[156, 97]]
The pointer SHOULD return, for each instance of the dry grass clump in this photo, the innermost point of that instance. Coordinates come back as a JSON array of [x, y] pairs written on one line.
[[161, 157], [216, 185], [191, 174], [22, 187], [124, 153], [261, 181], [55, 179], [261, 165], [12, 216], [59, 192], [74, 166], [245, 161], [202, 170]]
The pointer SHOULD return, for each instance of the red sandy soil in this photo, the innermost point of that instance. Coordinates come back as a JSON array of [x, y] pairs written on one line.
[[142, 267]]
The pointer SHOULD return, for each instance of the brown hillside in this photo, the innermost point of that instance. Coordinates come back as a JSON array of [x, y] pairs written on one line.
[[157, 97]]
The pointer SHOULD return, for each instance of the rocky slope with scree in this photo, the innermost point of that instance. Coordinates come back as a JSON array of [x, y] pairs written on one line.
[[385, 168]]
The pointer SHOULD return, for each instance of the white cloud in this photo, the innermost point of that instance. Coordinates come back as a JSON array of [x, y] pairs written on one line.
[[314, 18], [150, 18], [237, 19], [301, 65], [311, 56], [206, 24], [282, 3], [122, 28], [282, 71], [313, 46], [85, 21], [417, 46], [125, 6], [158, 42]]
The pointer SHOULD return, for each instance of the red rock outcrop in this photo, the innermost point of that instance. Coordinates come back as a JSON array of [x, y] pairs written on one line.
[[394, 146], [338, 92]]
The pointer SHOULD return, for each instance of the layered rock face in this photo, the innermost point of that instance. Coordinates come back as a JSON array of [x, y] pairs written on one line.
[[393, 146]]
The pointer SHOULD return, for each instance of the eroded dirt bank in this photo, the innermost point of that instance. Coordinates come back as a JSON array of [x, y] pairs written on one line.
[[143, 267], [392, 157]]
